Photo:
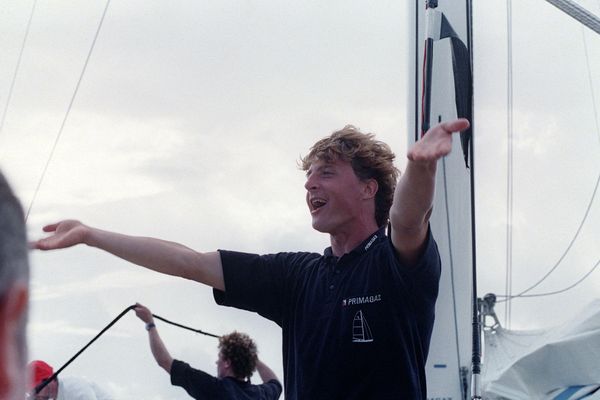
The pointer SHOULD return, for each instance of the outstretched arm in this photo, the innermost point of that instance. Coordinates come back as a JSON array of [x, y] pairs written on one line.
[[159, 351], [266, 373], [413, 198], [158, 255]]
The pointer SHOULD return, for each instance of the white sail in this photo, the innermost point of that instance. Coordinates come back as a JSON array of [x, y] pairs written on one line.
[[540, 364], [361, 332]]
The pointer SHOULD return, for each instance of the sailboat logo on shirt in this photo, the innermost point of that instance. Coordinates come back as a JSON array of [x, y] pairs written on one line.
[[361, 332]]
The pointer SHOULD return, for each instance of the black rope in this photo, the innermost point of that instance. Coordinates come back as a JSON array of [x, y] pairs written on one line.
[[185, 327], [46, 381]]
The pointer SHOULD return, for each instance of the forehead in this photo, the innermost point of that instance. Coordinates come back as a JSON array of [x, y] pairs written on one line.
[[320, 163]]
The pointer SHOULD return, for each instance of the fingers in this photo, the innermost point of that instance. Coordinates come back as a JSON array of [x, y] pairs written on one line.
[[42, 244], [437, 142], [455, 126], [49, 243], [143, 312], [50, 228]]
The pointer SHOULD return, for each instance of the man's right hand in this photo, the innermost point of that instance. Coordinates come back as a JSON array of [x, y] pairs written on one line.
[[66, 234], [143, 313]]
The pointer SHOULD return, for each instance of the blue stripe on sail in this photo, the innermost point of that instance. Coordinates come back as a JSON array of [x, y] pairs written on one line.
[[571, 390], [439, 365], [592, 393]]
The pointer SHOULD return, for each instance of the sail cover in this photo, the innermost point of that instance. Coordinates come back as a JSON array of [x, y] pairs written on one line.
[[560, 363], [450, 351]]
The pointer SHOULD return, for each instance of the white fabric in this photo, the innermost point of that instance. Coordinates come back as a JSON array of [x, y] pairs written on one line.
[[529, 365], [75, 388]]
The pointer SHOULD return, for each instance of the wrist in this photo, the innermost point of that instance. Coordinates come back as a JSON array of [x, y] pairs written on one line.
[[150, 325], [88, 236]]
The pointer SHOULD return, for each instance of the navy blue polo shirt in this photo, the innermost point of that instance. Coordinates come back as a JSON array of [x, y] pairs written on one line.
[[202, 386], [354, 328]]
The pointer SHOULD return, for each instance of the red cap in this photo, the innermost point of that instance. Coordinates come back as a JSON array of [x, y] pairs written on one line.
[[39, 371]]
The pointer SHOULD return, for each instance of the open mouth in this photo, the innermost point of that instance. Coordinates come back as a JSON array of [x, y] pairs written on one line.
[[317, 203]]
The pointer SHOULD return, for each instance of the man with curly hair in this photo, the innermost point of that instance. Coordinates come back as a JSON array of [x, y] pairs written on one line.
[[237, 362], [357, 319]]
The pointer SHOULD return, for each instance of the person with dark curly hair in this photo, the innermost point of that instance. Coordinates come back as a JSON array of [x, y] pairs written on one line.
[[356, 319], [237, 361]]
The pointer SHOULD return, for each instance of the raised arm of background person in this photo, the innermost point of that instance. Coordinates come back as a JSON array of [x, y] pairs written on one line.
[[159, 351], [266, 373], [158, 255], [413, 197]]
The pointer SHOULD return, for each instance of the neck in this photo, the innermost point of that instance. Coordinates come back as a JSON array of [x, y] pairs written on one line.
[[231, 375], [345, 241]]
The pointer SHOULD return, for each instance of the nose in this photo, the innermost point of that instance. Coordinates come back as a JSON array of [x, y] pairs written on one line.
[[311, 183]]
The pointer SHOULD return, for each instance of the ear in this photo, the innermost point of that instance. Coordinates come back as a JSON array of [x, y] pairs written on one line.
[[13, 306], [370, 188]]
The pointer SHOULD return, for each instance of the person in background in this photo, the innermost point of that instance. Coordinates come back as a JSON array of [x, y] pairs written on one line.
[[236, 362], [67, 388], [14, 295]]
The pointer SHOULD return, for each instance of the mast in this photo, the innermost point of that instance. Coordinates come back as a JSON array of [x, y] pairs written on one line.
[[441, 89]]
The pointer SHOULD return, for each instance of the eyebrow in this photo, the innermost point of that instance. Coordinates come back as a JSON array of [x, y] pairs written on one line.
[[319, 168]]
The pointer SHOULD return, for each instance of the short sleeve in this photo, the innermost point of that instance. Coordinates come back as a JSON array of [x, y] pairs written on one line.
[[272, 389], [257, 283], [196, 383]]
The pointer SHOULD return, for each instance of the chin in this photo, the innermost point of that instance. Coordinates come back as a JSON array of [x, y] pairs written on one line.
[[321, 230], [320, 227]]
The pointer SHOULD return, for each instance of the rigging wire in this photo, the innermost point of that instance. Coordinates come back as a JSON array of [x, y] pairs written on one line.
[[591, 82], [561, 290], [509, 296], [62, 126], [510, 163], [561, 258], [17, 67]]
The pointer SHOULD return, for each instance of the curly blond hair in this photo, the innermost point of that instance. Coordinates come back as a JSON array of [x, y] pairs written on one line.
[[370, 159], [241, 351]]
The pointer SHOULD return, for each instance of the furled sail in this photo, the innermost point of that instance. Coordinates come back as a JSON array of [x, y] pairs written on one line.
[[435, 71], [556, 363]]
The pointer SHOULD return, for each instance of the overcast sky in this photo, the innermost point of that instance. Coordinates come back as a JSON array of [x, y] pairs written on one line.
[[188, 125]]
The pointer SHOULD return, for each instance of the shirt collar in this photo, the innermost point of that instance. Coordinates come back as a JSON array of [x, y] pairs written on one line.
[[364, 246]]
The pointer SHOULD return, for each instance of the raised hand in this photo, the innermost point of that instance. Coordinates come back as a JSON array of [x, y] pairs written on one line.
[[437, 142], [65, 234], [143, 313]]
